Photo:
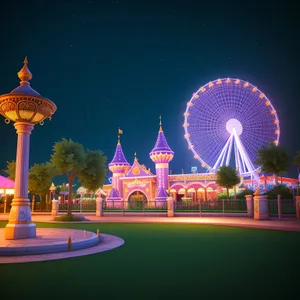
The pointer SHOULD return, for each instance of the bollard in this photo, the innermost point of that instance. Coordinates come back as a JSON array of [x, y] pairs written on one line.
[[99, 207], [84, 233], [54, 209], [223, 207], [5, 201], [279, 206], [200, 208], [298, 207], [98, 233], [170, 204], [249, 202], [69, 244], [260, 206]]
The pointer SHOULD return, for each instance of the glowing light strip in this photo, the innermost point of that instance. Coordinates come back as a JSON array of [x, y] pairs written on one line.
[[244, 155], [236, 154], [242, 160], [229, 151], [222, 154]]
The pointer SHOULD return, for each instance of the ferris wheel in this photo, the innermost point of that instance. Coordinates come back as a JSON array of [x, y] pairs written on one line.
[[226, 121]]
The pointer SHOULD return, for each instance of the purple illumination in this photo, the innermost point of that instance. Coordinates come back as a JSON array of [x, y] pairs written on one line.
[[161, 145], [119, 157], [161, 155], [229, 115], [161, 194], [114, 195], [118, 166]]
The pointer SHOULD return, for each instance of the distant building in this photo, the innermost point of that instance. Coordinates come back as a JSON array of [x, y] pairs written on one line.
[[136, 182]]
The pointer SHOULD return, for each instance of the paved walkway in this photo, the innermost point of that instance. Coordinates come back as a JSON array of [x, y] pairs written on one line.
[[107, 242], [290, 224], [48, 240]]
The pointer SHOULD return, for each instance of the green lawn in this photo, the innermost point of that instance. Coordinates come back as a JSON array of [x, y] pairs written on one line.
[[166, 261]]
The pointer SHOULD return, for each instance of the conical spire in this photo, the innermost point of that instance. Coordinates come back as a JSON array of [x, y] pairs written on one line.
[[119, 157], [24, 74], [161, 144], [160, 124]]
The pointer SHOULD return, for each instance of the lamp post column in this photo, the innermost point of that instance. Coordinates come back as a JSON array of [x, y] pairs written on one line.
[[20, 225]]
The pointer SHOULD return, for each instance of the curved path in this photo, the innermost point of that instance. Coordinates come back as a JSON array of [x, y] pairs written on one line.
[[107, 242], [290, 224]]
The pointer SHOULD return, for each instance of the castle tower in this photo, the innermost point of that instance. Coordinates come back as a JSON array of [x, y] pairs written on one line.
[[118, 166], [161, 155]]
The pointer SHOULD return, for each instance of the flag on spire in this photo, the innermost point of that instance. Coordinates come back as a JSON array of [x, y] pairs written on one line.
[[120, 131]]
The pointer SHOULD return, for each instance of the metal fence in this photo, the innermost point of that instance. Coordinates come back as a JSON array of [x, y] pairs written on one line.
[[215, 206], [38, 206], [287, 207], [86, 206]]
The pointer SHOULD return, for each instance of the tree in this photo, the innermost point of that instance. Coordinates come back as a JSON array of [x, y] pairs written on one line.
[[40, 178], [93, 175], [69, 158], [273, 159], [57, 191], [227, 177], [11, 169], [297, 161]]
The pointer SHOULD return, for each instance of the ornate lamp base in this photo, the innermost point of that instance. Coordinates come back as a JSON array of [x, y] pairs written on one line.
[[20, 231], [20, 225]]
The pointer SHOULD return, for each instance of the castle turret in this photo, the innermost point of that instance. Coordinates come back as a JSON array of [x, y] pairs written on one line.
[[118, 166], [161, 155]]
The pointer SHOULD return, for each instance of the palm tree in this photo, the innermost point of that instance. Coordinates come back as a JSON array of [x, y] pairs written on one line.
[[273, 159]]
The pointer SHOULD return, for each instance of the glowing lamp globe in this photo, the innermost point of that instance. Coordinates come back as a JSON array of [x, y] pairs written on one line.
[[24, 104]]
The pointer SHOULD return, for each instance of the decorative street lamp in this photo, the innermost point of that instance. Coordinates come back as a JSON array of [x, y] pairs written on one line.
[[25, 107], [52, 190]]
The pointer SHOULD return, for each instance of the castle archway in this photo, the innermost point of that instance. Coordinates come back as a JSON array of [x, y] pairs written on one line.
[[137, 200], [137, 195]]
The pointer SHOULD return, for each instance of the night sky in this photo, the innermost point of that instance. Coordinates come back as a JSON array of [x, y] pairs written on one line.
[[110, 64]]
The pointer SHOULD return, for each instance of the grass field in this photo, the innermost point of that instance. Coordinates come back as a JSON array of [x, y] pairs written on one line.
[[166, 261]]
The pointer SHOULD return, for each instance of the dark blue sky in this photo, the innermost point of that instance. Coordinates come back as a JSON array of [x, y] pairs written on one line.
[[110, 64]]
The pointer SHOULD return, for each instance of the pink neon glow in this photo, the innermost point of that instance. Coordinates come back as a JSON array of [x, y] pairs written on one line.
[[6, 183]]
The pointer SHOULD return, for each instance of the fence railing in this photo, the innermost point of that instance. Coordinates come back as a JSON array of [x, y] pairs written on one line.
[[38, 206], [216, 206], [86, 206], [288, 206]]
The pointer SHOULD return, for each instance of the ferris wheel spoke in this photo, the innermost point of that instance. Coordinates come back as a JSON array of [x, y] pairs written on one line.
[[223, 153], [237, 159], [243, 152], [229, 150], [231, 101]]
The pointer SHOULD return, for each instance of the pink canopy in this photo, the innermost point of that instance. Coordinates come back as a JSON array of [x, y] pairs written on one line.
[[6, 183]]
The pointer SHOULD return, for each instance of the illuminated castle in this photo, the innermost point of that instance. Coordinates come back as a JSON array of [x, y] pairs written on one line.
[[136, 182]]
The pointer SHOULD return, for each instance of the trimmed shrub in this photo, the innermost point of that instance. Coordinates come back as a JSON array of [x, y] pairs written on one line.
[[66, 218], [281, 190], [242, 194]]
